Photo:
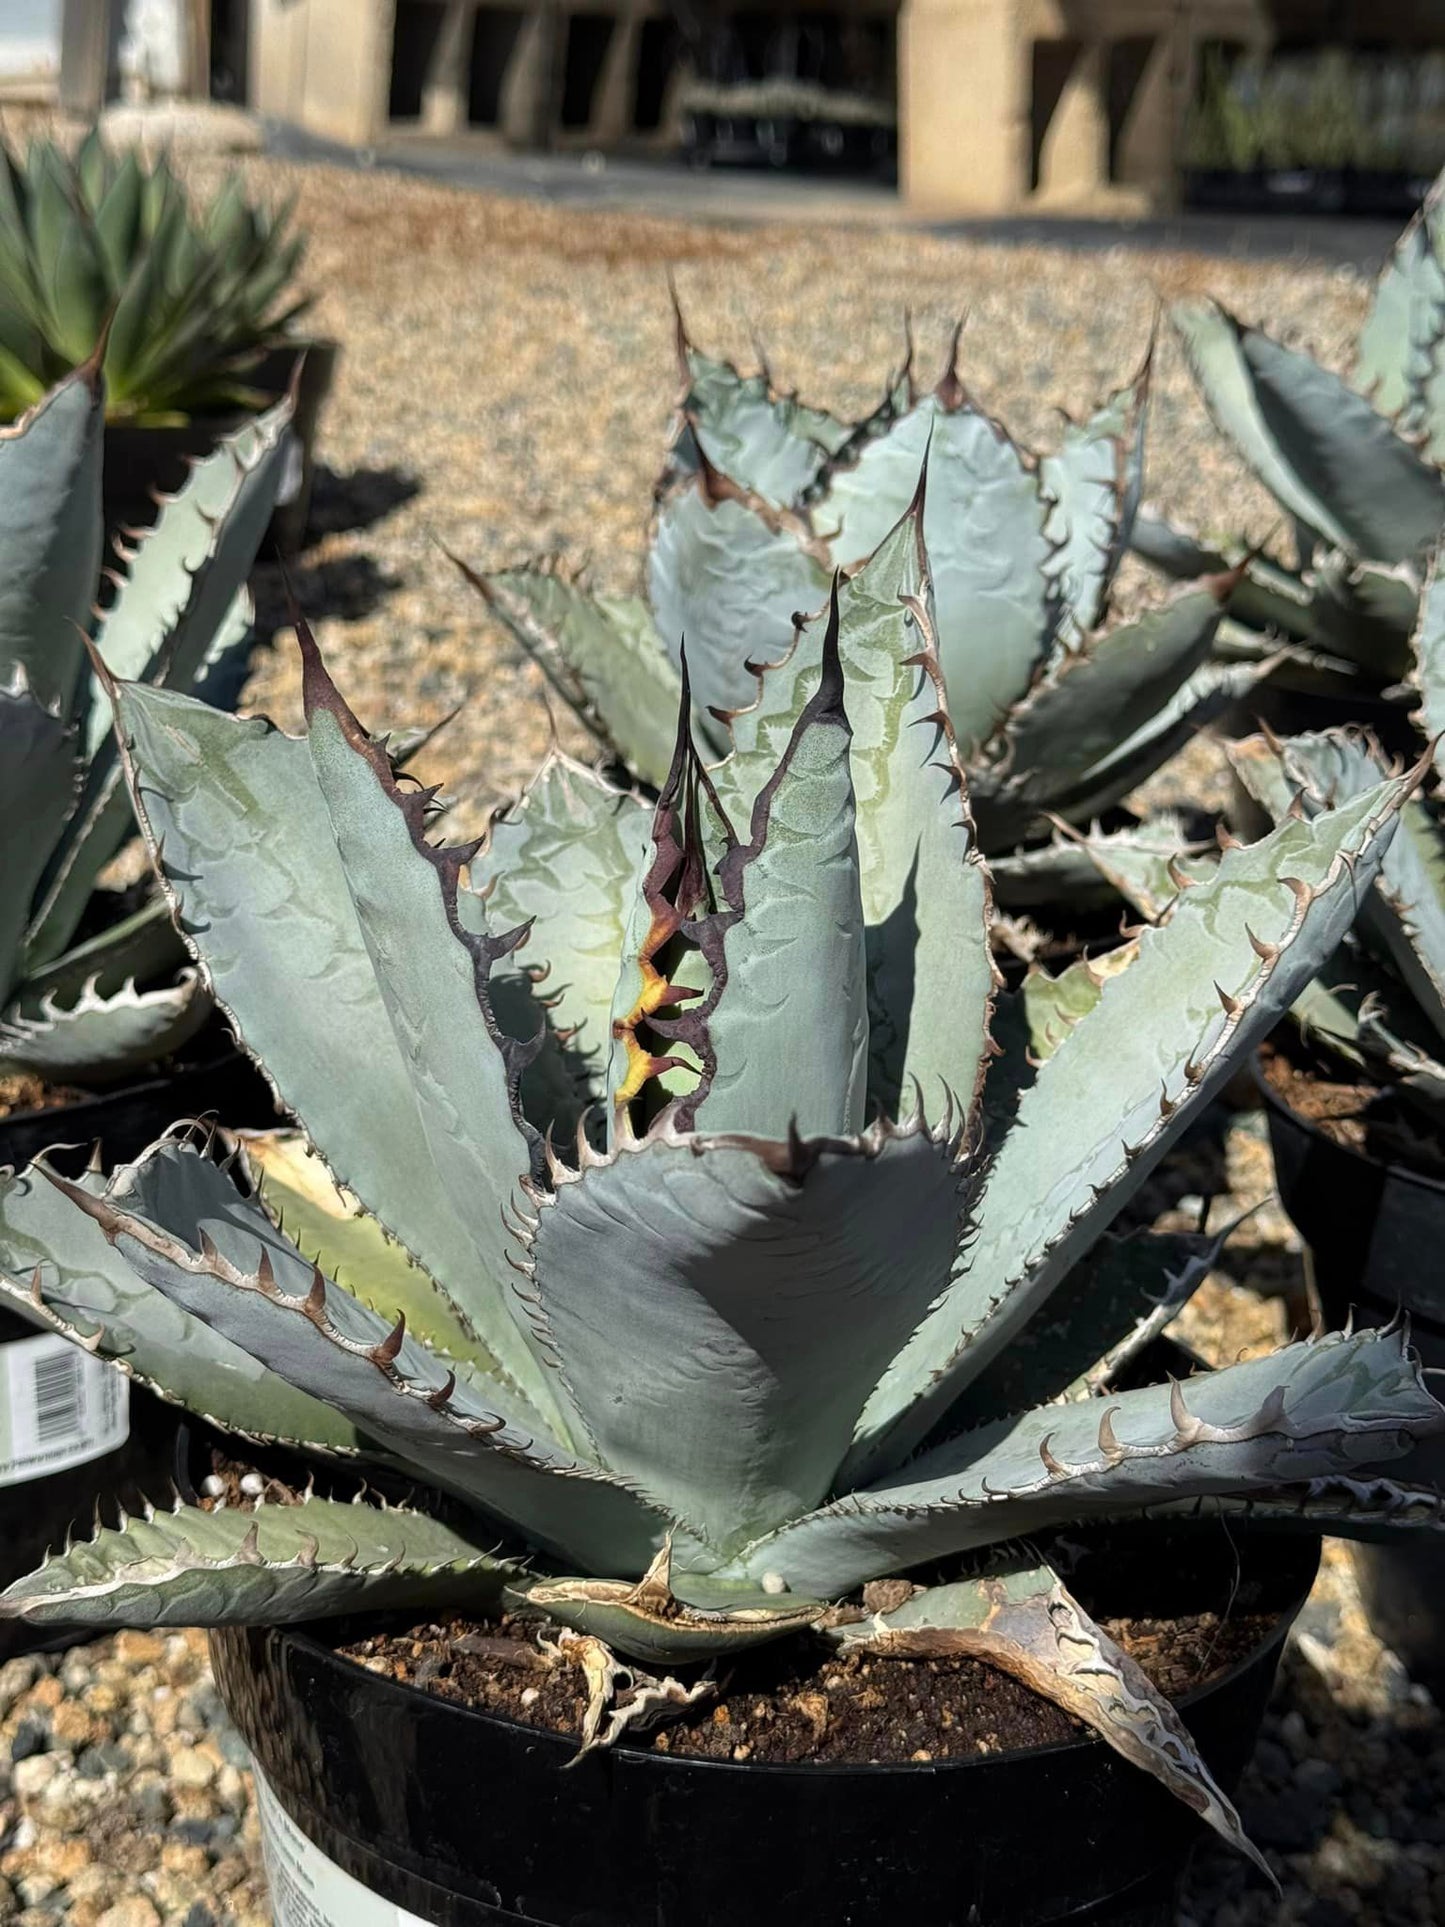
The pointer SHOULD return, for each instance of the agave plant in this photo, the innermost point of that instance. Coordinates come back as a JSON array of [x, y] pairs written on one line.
[[1056, 710], [103, 244], [1379, 1005], [770, 1329], [179, 616], [1356, 466]]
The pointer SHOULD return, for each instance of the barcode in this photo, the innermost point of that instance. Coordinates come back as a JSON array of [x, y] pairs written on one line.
[[59, 1398], [59, 1407]]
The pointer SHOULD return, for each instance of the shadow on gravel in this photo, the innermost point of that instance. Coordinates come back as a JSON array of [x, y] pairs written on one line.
[[346, 588], [1343, 1796], [358, 500]]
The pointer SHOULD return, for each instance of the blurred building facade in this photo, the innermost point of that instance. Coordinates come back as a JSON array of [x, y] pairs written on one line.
[[999, 105]]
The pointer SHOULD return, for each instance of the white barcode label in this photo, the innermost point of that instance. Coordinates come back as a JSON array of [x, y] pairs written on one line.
[[307, 1889], [59, 1407]]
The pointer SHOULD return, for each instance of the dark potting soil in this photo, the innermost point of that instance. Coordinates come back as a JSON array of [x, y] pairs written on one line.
[[798, 1700], [1357, 1113]]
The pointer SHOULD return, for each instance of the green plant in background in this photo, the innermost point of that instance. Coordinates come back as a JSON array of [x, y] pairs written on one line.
[[180, 616], [191, 298], [1056, 710], [1356, 465], [691, 1383]]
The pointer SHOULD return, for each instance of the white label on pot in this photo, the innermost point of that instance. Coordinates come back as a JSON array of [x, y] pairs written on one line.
[[59, 1407], [307, 1889]]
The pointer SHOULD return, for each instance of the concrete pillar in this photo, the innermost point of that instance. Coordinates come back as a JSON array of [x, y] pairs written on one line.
[[87, 46], [963, 106], [1074, 153], [612, 104], [529, 92], [1147, 148], [444, 97], [348, 68]]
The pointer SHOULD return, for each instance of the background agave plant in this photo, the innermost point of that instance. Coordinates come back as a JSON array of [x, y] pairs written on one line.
[[1356, 466], [1380, 1003], [1056, 710], [180, 615], [102, 242], [685, 1369]]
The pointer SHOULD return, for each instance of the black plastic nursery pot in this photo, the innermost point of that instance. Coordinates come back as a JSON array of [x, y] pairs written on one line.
[[141, 462], [1376, 1234], [211, 1077], [377, 1796]]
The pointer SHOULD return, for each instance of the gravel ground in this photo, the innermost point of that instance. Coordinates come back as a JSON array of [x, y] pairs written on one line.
[[506, 385]]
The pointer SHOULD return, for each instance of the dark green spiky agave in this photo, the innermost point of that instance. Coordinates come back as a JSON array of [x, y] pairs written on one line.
[[838, 1198], [187, 299], [1058, 711], [89, 1008]]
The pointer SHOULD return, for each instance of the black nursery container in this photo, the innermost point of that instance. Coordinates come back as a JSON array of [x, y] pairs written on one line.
[[461, 1819], [141, 461], [1376, 1234]]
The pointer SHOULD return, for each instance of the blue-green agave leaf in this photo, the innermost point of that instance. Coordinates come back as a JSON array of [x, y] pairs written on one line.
[[50, 535], [93, 1038], [760, 1286], [1319, 447], [1314, 1410], [57, 1268], [184, 1228], [1094, 481], [251, 866], [602, 654], [38, 775], [276, 1565], [727, 573], [1164, 1036]]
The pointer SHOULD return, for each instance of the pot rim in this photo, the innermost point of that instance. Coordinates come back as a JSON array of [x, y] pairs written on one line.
[[92, 1101], [1401, 1172], [649, 1759]]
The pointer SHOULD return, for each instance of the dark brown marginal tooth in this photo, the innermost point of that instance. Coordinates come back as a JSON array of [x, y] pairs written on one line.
[[1266, 952], [265, 1274], [386, 1350], [1303, 893], [248, 1553], [1226, 839], [1051, 1465], [1231, 1005], [441, 1397], [1192, 1071], [1177, 876], [316, 1296], [1108, 1443], [1167, 1105], [308, 1551], [208, 1248], [36, 1295], [1296, 811]]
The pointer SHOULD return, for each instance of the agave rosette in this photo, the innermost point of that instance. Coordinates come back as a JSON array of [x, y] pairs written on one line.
[[1058, 710], [809, 1286]]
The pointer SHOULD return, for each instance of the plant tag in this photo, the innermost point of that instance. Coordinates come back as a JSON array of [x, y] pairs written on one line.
[[59, 1407], [307, 1889]]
